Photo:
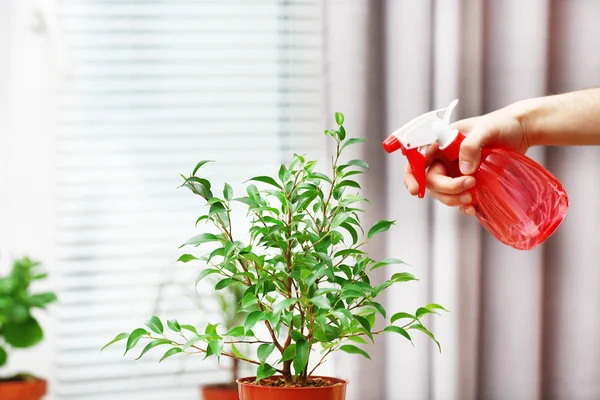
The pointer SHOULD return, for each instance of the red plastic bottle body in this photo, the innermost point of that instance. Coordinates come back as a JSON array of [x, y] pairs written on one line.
[[517, 200]]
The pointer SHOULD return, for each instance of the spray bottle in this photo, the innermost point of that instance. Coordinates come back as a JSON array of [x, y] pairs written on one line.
[[516, 199]]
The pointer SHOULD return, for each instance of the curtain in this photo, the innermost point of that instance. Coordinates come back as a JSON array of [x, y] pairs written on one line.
[[522, 325]]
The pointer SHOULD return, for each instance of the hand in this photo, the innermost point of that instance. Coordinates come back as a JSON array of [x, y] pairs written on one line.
[[503, 128]]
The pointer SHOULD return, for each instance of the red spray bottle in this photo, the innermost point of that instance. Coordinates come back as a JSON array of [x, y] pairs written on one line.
[[516, 199]]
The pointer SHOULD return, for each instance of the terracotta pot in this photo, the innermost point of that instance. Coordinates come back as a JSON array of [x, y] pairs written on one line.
[[23, 390], [249, 391], [220, 392]]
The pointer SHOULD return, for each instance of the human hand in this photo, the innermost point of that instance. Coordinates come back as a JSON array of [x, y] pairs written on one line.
[[503, 128]]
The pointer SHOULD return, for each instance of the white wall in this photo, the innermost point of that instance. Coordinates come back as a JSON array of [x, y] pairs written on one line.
[[26, 151]]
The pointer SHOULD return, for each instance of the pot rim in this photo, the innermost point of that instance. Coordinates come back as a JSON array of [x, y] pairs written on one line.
[[243, 381]]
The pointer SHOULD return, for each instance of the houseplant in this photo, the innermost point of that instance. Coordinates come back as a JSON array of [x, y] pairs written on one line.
[[19, 328], [307, 287]]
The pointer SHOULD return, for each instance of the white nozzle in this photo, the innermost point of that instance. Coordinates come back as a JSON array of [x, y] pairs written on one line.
[[428, 128]]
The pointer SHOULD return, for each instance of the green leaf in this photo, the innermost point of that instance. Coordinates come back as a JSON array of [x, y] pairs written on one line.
[[297, 336], [421, 328], [342, 133], [358, 163], [222, 284], [321, 302], [401, 315], [117, 338], [264, 371], [284, 174], [152, 345], [325, 258], [23, 334], [174, 325], [301, 359], [339, 219], [187, 257], [170, 352], [204, 273], [434, 306], [192, 341], [320, 175], [3, 356], [352, 231], [387, 261], [347, 252], [155, 324], [339, 118], [264, 351], [201, 218], [397, 329], [190, 328], [424, 311], [200, 164], [201, 238], [253, 318], [352, 141], [352, 349], [41, 299], [380, 226], [134, 338], [379, 308], [289, 353], [228, 191], [236, 352], [357, 339], [349, 183], [236, 332], [364, 322], [267, 179], [217, 208], [217, 348], [283, 305], [403, 277]]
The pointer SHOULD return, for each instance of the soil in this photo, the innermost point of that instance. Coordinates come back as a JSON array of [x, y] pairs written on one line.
[[18, 378], [312, 382]]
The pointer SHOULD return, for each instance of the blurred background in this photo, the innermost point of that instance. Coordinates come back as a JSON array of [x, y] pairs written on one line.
[[103, 103]]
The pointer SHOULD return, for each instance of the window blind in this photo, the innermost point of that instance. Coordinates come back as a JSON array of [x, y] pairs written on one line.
[[154, 87]]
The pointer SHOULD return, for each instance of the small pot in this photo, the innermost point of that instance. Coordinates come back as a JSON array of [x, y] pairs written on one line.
[[222, 391], [249, 391], [23, 390]]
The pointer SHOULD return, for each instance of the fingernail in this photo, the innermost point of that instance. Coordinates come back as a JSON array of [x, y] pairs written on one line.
[[469, 183], [465, 167], [470, 210], [466, 198]]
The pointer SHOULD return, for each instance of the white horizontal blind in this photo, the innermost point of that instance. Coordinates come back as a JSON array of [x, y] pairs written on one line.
[[154, 87]]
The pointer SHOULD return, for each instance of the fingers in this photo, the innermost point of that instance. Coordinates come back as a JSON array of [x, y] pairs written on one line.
[[470, 149], [438, 181], [467, 210], [409, 181], [449, 191]]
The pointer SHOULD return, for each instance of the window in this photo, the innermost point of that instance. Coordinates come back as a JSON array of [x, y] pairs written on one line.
[[155, 86]]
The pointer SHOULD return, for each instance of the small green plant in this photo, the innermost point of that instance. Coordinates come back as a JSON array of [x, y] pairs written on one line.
[[305, 277], [18, 327]]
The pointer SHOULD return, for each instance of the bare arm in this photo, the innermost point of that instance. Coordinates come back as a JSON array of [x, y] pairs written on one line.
[[569, 119]]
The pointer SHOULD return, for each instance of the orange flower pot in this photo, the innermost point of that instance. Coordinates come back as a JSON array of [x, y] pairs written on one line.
[[249, 391], [23, 390], [220, 392]]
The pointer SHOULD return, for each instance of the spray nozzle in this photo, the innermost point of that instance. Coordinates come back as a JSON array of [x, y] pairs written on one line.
[[415, 137]]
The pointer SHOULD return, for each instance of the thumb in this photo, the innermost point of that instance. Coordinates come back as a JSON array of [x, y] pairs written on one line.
[[470, 149]]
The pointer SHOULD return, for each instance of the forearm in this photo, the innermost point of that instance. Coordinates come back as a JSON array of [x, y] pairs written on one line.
[[569, 119]]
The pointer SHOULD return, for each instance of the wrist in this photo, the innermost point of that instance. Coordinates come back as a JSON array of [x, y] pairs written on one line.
[[531, 114]]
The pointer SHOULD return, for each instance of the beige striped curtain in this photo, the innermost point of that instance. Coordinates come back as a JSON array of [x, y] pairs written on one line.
[[523, 325]]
